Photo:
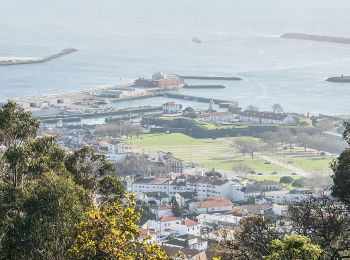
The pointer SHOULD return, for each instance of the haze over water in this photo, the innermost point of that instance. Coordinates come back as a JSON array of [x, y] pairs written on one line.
[[121, 40]]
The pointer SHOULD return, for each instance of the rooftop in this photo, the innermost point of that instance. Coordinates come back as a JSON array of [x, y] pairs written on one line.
[[167, 218], [263, 115], [213, 203]]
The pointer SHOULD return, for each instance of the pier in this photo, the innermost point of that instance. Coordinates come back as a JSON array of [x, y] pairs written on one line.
[[197, 99], [29, 60], [203, 86], [211, 77]]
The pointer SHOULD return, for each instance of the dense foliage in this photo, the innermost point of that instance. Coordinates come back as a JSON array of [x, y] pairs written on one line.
[[45, 194]]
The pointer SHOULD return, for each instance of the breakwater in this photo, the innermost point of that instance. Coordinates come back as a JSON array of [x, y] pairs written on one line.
[[203, 86], [197, 99], [339, 79], [318, 38], [29, 60], [77, 117], [210, 77]]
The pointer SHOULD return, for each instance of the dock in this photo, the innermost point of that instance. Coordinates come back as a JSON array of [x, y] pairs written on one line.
[[29, 60], [197, 99], [203, 86], [211, 77]]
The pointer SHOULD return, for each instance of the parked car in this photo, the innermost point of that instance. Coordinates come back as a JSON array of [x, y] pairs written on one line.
[[273, 173]]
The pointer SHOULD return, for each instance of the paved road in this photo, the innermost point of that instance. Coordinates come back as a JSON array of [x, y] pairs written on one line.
[[284, 165]]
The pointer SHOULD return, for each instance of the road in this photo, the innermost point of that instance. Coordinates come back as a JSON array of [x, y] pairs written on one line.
[[284, 165]]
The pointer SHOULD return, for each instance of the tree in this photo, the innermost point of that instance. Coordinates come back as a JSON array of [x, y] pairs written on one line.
[[242, 169], [286, 179], [250, 241], [253, 146], [177, 210], [277, 108], [252, 108], [110, 188], [341, 171], [86, 167], [16, 125], [270, 138], [293, 247], [298, 183], [43, 190], [324, 125], [346, 133], [304, 140], [326, 222], [247, 145], [111, 233], [213, 173], [189, 112], [36, 218], [341, 177]]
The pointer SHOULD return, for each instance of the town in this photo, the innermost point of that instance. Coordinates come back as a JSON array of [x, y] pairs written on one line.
[[196, 172]]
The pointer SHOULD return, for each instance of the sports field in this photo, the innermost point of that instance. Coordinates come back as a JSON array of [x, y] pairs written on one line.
[[207, 153]]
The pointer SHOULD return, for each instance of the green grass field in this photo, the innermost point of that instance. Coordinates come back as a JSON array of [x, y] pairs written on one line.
[[207, 153], [308, 161]]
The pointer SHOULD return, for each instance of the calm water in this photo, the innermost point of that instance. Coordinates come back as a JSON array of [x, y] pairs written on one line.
[[120, 40]]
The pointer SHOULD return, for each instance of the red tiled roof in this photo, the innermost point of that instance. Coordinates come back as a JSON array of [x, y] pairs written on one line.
[[189, 222], [145, 232], [164, 207], [167, 218], [213, 203]]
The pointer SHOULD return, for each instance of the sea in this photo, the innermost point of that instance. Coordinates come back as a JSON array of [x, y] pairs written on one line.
[[121, 40]]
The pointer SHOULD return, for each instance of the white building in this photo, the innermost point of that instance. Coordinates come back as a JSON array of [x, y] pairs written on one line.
[[287, 197], [169, 225], [161, 211], [151, 233], [156, 198], [172, 108], [265, 118], [218, 219], [188, 241], [218, 117], [211, 205], [203, 186]]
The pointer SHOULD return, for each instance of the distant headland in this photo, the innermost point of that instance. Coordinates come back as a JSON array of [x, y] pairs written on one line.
[[28, 60], [318, 38], [339, 79]]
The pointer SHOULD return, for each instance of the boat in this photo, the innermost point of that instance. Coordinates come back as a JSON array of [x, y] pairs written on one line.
[[196, 40]]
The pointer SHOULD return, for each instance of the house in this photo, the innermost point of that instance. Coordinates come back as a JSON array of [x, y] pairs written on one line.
[[161, 210], [184, 198], [188, 241], [265, 118], [172, 108], [151, 233], [254, 209], [251, 191], [267, 185], [215, 204], [218, 220], [171, 163], [169, 225], [191, 254], [289, 196], [203, 186], [218, 117], [155, 198]]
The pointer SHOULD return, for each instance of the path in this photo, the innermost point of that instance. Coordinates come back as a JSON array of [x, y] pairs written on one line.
[[284, 165]]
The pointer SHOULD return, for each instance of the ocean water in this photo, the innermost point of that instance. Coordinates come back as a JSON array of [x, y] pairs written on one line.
[[121, 40]]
